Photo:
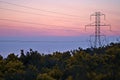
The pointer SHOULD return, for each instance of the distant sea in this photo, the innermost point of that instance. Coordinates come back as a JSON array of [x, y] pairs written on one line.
[[46, 45]]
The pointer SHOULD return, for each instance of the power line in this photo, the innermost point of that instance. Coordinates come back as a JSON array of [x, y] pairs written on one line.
[[39, 9], [39, 14], [43, 28], [24, 12], [37, 23]]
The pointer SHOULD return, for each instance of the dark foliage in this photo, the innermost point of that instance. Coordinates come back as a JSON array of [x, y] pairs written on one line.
[[82, 64]]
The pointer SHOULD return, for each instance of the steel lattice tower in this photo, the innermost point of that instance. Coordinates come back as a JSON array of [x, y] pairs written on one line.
[[97, 24]]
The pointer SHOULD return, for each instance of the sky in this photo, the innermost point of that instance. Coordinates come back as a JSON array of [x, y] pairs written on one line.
[[54, 25], [34, 18]]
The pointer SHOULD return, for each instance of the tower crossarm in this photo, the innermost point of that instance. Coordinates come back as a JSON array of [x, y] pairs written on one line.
[[97, 24]]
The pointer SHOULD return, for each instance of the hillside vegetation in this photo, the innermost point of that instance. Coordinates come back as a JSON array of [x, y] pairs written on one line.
[[81, 64]]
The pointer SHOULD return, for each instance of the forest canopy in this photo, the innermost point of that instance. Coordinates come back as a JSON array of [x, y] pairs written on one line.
[[101, 63]]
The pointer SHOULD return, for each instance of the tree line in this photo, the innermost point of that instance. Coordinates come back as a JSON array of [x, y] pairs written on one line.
[[101, 63]]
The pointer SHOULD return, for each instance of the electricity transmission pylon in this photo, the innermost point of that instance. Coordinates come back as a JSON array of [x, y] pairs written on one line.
[[97, 24]]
